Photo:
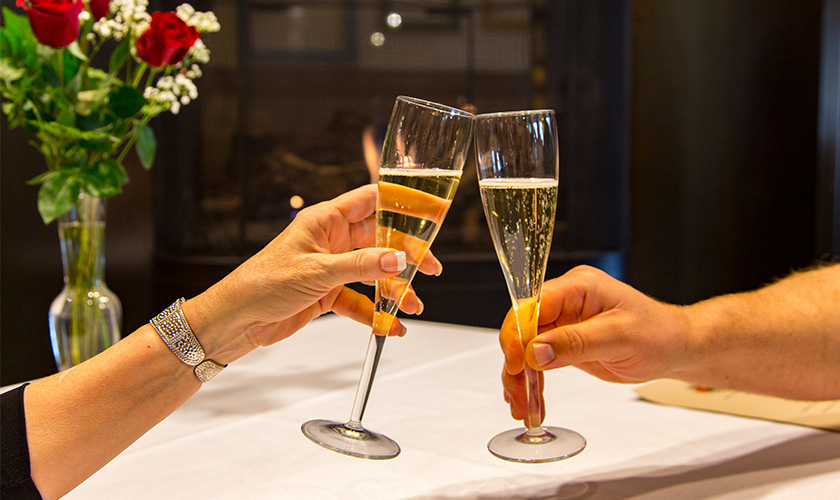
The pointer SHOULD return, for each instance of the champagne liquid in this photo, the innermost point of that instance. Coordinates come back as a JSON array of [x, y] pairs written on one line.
[[411, 206], [520, 213]]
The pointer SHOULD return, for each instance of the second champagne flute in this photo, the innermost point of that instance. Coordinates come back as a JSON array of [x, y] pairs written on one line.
[[423, 155], [518, 177]]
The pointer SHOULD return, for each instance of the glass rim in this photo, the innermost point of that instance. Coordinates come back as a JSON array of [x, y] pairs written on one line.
[[525, 112], [436, 106]]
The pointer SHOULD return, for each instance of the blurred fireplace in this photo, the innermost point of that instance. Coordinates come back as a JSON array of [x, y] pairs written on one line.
[[282, 123]]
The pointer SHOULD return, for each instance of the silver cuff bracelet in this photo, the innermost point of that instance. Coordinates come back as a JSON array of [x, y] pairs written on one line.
[[173, 329]]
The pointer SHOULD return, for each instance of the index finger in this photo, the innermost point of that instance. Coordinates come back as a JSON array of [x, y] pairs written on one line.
[[358, 307], [575, 296], [511, 344], [358, 204]]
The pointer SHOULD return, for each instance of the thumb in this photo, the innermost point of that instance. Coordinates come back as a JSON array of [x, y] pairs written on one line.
[[366, 264], [564, 346]]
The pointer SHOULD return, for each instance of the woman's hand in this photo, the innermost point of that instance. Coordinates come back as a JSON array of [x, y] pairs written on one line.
[[299, 276]]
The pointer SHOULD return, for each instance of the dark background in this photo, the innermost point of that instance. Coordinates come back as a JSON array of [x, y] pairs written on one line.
[[698, 155]]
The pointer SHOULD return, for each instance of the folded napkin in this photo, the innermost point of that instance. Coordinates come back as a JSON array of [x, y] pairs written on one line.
[[818, 414]]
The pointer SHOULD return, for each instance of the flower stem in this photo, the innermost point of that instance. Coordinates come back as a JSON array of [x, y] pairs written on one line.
[[151, 77], [132, 138], [139, 75], [59, 63]]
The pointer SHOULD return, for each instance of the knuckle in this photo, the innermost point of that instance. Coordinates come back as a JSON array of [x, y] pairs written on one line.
[[360, 264], [584, 273], [574, 344]]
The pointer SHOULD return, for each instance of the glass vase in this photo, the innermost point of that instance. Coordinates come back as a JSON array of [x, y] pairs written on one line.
[[85, 317]]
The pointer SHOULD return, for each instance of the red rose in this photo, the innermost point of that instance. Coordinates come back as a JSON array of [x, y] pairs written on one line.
[[167, 40], [55, 22], [99, 8]]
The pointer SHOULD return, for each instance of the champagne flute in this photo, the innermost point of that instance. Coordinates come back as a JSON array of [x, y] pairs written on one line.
[[518, 168], [423, 155]]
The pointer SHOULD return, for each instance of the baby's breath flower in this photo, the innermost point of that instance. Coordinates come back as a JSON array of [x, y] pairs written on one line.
[[185, 11], [204, 22], [199, 52], [194, 72], [129, 16], [172, 91], [186, 86]]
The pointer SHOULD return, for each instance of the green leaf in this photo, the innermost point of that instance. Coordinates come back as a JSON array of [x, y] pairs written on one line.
[[92, 121], [126, 101], [57, 195], [17, 25], [55, 130], [9, 42], [87, 99], [70, 64], [105, 179], [51, 76], [18, 42], [98, 144], [68, 170], [119, 171], [40, 178], [119, 56], [92, 95], [65, 115], [74, 49], [9, 73], [97, 75], [146, 144], [11, 110]]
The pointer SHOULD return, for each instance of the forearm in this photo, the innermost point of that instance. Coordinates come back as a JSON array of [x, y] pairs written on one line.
[[781, 340], [80, 419]]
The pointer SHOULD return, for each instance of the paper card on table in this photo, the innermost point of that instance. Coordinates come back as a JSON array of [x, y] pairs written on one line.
[[819, 414]]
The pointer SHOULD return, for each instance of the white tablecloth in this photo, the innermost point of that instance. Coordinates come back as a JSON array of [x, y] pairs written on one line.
[[438, 394]]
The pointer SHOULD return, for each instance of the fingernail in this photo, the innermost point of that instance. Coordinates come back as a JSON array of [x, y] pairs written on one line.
[[394, 261], [402, 332], [420, 307], [439, 267], [544, 354]]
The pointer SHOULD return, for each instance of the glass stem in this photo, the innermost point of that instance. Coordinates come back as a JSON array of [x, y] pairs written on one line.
[[535, 417], [374, 351], [527, 314]]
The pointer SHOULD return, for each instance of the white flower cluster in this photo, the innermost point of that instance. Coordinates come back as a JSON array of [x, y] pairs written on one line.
[[129, 16], [199, 52], [204, 22], [175, 91]]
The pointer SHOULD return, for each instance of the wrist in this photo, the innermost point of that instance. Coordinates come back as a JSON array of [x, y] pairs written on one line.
[[711, 348], [174, 330], [695, 331], [218, 329]]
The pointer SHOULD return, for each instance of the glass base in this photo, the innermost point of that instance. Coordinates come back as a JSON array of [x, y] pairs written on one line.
[[343, 438], [550, 445]]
